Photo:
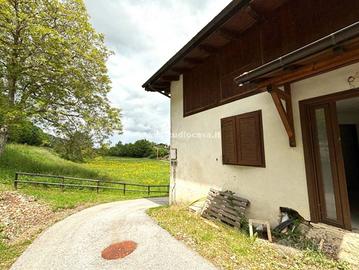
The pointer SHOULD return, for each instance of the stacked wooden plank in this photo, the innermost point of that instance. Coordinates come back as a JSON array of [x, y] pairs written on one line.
[[226, 207]]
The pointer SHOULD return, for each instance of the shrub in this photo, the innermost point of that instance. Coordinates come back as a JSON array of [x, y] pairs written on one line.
[[139, 149], [27, 133]]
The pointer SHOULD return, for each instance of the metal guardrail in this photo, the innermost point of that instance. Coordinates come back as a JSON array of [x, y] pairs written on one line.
[[63, 182]]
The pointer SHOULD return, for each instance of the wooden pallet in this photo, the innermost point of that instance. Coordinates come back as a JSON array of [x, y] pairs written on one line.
[[225, 206]]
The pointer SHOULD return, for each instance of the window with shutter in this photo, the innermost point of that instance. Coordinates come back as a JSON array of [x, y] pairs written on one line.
[[242, 140]]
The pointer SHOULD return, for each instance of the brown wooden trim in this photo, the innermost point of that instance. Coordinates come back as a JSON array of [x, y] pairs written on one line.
[[231, 119], [312, 187], [194, 60], [221, 102], [314, 69], [342, 185], [340, 95], [335, 178], [208, 48], [310, 164], [285, 113], [170, 78], [289, 107]]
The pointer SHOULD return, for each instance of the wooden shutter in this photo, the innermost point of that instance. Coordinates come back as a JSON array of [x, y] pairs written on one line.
[[242, 140], [250, 145], [229, 146]]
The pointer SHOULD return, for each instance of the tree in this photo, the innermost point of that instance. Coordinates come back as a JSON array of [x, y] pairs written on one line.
[[28, 133], [76, 147], [140, 149], [53, 70]]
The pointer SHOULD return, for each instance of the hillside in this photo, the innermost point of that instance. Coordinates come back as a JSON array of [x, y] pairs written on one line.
[[23, 158]]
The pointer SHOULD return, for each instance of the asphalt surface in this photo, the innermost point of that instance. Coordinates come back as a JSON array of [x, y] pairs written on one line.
[[77, 241]]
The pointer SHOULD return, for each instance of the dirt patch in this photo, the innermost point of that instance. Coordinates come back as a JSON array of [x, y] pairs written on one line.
[[22, 216], [119, 250]]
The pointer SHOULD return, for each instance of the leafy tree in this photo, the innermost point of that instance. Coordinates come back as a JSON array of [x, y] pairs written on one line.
[[28, 133], [140, 149], [77, 147], [53, 70]]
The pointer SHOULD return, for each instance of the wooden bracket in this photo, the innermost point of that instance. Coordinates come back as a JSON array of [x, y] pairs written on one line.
[[285, 111]]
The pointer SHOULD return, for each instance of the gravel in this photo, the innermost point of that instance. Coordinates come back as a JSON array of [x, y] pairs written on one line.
[[20, 215]]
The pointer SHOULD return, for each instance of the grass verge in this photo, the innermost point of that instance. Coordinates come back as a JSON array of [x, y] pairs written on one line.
[[9, 253], [231, 249]]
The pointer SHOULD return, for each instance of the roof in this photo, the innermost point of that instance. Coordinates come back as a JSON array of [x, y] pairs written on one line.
[[234, 19]]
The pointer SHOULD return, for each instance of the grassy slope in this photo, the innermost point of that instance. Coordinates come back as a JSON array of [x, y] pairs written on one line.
[[230, 249], [40, 160]]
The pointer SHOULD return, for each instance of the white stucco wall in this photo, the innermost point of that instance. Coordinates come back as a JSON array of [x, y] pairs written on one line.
[[281, 183]]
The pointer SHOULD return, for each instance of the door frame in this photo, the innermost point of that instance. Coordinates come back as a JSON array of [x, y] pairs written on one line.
[[310, 162]]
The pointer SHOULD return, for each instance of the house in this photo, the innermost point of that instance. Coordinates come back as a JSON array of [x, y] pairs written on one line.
[[264, 102]]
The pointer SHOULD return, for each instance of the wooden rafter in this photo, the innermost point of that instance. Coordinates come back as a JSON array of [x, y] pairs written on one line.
[[285, 111], [229, 34], [170, 78], [180, 70], [194, 60], [251, 11], [208, 48]]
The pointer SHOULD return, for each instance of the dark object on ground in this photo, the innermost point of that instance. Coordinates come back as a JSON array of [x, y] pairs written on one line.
[[225, 207], [119, 250], [289, 218], [284, 225]]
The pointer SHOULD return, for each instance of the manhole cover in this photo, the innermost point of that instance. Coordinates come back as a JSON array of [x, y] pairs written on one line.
[[119, 250]]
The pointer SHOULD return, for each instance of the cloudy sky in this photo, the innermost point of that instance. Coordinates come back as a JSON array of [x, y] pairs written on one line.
[[144, 34]]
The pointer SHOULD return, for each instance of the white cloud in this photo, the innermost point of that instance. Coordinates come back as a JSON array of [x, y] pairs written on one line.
[[144, 34]]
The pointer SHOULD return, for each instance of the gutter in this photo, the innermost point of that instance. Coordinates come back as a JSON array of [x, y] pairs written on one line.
[[324, 43], [211, 27]]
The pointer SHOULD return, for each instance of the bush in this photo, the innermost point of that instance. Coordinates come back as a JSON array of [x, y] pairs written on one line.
[[139, 149], [28, 133]]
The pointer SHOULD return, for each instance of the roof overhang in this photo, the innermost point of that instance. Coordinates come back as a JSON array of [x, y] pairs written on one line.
[[228, 25]]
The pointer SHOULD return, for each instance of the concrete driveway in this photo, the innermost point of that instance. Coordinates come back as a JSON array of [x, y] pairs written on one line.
[[77, 241]]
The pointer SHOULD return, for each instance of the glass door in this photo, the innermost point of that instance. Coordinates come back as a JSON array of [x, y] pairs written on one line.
[[326, 159]]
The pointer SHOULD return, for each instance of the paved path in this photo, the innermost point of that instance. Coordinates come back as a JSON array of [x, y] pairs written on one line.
[[77, 241]]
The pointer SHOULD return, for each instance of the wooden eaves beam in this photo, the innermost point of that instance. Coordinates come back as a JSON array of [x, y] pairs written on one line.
[[253, 13], [208, 48], [170, 78], [285, 112], [193, 60], [229, 34], [181, 70], [163, 92]]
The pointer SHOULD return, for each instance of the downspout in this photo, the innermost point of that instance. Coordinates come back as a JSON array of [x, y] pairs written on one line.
[[324, 43]]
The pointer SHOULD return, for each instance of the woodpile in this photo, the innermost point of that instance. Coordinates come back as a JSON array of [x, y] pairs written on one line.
[[226, 207]]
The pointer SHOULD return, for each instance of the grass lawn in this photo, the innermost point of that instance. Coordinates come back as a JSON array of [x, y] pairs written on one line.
[[8, 254], [41, 160], [131, 170], [231, 249]]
